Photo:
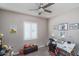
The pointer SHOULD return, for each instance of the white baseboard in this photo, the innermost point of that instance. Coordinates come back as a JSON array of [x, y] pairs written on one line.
[[41, 46]]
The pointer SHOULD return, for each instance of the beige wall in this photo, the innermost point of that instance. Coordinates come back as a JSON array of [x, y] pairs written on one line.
[[16, 40], [69, 17]]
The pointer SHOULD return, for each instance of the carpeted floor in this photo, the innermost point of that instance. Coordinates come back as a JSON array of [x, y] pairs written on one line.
[[41, 52]]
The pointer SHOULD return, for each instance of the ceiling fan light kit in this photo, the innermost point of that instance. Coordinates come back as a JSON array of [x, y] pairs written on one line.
[[42, 8]]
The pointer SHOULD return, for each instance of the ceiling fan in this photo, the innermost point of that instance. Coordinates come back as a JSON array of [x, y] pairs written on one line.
[[42, 8]]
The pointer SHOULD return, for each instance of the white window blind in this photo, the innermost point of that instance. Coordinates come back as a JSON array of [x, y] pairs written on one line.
[[30, 31]]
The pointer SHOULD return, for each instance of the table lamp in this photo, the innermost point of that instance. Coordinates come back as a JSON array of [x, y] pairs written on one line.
[[1, 35]]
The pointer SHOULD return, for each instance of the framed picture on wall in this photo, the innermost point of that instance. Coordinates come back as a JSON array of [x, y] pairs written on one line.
[[74, 26], [55, 27], [13, 28], [62, 34], [63, 27]]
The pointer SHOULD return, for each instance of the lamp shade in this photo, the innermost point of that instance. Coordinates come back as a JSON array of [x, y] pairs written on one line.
[[1, 35]]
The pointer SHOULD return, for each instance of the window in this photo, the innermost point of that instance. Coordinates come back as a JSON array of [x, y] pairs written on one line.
[[30, 30]]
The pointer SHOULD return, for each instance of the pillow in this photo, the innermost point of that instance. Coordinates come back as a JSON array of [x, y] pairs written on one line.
[[26, 45]]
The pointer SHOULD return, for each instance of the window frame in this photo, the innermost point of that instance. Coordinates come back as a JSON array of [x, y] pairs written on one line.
[[31, 24]]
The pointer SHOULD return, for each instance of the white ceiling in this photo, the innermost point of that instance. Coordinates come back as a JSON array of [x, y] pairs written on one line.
[[57, 8]]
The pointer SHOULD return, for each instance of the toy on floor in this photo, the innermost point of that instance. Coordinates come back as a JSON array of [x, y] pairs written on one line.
[[28, 48]]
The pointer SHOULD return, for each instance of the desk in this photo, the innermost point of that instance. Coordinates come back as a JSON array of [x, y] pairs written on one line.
[[66, 47]]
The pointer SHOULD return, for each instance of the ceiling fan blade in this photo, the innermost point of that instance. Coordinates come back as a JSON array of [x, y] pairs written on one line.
[[39, 13], [47, 11], [49, 4], [33, 9], [40, 5]]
